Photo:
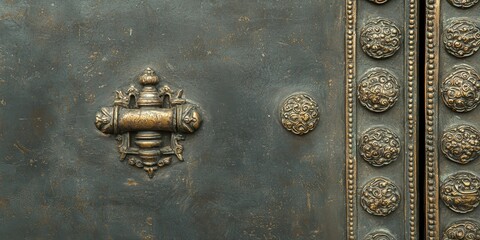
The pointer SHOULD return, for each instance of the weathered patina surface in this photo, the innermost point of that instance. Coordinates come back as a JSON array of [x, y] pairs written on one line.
[[452, 114], [308, 119]]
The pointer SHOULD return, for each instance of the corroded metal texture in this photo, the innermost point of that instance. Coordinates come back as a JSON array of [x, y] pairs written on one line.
[[244, 175], [451, 108]]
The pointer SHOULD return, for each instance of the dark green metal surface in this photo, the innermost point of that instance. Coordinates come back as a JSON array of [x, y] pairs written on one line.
[[244, 175]]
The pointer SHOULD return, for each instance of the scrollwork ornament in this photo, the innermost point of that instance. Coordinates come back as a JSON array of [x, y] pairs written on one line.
[[379, 235], [461, 38], [461, 89], [462, 230], [461, 144], [380, 197], [379, 146], [380, 38], [141, 119], [299, 114], [378, 90], [461, 192], [463, 3]]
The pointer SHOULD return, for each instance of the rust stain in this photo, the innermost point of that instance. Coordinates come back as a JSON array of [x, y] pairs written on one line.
[[13, 16], [21, 148], [40, 119], [131, 182], [4, 202]]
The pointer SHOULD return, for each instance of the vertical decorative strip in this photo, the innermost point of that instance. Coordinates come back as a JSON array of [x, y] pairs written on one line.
[[351, 165], [431, 75], [411, 137]]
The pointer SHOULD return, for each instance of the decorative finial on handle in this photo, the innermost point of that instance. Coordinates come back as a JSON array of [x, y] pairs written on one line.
[[141, 119], [149, 77]]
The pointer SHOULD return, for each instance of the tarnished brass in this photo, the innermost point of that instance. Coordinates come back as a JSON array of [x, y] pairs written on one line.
[[380, 38], [380, 197], [299, 114], [452, 96], [141, 119], [381, 119], [378, 90], [308, 127]]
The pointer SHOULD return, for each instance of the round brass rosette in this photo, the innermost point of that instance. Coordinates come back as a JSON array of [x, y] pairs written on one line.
[[461, 192], [379, 146], [299, 114], [380, 38], [461, 144], [461, 89], [380, 197], [380, 235], [378, 90], [378, 1], [463, 3], [462, 230], [461, 38]]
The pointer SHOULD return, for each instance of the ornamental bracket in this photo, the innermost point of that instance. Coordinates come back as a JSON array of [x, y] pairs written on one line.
[[149, 124]]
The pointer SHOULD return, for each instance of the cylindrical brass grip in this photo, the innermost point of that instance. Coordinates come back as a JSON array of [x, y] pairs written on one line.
[[116, 120], [160, 119]]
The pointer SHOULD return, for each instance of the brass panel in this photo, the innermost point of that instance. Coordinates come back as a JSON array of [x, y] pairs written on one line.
[[451, 110], [381, 53]]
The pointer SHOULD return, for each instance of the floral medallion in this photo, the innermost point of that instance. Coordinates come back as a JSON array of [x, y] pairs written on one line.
[[379, 146], [378, 90], [461, 144], [461, 38], [461, 192], [462, 230], [379, 235], [463, 3], [380, 197], [299, 114], [461, 89], [380, 38]]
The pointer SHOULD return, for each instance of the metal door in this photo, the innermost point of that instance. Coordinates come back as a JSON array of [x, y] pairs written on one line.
[[278, 119], [452, 90]]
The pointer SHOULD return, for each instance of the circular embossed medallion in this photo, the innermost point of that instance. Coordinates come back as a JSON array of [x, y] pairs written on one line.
[[461, 144], [378, 1], [379, 235], [380, 38], [380, 197], [461, 38], [461, 192], [463, 3], [379, 146], [378, 90], [299, 114], [461, 89], [462, 230]]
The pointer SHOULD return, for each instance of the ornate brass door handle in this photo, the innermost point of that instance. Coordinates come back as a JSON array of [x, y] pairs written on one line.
[[144, 120]]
